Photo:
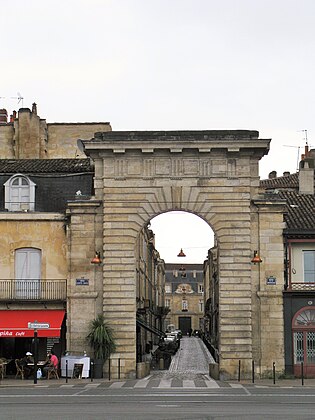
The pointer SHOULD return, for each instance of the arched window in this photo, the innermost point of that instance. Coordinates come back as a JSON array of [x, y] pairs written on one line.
[[303, 327], [19, 193]]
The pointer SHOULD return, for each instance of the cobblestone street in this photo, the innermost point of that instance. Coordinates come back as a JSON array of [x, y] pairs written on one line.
[[190, 363], [192, 357]]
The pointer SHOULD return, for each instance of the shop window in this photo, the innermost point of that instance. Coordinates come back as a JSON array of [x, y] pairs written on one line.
[[19, 193]]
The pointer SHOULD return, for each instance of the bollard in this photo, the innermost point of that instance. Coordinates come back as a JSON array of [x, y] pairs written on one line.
[[253, 371], [119, 368], [66, 371], [274, 372], [109, 368], [302, 373], [92, 370], [239, 371]]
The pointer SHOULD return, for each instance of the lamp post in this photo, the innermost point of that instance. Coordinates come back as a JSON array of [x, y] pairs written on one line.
[[35, 355]]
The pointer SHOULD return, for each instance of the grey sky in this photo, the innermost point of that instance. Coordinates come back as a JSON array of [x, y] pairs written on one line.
[[166, 64]]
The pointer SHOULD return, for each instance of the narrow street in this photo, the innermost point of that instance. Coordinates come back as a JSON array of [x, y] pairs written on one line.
[[189, 366], [192, 357]]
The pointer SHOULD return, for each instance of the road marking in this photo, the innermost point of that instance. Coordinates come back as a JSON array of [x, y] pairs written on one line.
[[92, 385], [143, 383], [165, 383], [212, 384], [233, 385], [187, 383], [67, 386], [117, 384]]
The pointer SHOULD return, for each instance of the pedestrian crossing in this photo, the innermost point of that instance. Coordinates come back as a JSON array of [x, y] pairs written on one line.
[[149, 382]]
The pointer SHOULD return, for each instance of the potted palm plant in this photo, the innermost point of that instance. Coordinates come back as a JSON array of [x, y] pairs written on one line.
[[101, 339]]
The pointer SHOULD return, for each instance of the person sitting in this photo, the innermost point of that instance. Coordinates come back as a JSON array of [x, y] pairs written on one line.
[[24, 364], [52, 364]]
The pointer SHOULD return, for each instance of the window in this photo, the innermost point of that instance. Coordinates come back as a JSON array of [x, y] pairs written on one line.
[[27, 273], [19, 193], [200, 305], [167, 303], [309, 266], [200, 288], [168, 288], [184, 305]]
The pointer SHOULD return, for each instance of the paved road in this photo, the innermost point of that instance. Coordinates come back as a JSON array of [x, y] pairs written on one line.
[[192, 357]]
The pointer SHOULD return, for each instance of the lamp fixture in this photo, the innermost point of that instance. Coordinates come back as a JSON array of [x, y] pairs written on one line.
[[256, 258], [97, 258], [181, 253]]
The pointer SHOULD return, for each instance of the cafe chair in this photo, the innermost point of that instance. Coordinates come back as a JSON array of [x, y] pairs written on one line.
[[2, 370], [52, 372], [19, 370]]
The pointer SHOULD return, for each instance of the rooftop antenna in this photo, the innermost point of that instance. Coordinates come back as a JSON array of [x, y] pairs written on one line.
[[298, 154], [299, 147], [19, 97]]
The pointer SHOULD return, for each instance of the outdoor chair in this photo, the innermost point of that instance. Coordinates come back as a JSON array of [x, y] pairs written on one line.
[[19, 370], [52, 372]]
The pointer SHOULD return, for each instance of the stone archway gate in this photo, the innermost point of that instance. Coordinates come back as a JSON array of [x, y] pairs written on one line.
[[213, 174]]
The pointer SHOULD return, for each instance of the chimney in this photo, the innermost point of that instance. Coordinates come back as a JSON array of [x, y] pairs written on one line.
[[286, 173], [13, 117], [3, 116], [272, 175], [34, 108], [306, 176]]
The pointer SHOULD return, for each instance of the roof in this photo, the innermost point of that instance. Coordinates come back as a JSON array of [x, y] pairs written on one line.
[[32, 166], [300, 208]]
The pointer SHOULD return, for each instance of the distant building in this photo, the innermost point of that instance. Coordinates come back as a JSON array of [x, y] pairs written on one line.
[[184, 296]]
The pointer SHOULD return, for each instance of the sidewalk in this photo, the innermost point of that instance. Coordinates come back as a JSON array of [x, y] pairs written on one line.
[[43, 383]]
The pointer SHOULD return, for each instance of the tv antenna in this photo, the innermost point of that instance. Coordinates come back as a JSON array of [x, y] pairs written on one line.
[[299, 147], [19, 97]]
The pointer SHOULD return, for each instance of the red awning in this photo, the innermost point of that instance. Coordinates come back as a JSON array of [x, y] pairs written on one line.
[[14, 324]]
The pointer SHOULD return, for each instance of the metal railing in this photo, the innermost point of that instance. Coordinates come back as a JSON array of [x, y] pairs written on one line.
[[47, 290], [301, 286]]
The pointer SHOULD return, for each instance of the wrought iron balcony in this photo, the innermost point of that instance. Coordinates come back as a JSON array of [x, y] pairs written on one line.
[[293, 286], [33, 290]]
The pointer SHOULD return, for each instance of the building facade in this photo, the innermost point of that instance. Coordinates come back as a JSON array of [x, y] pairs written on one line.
[[184, 296], [299, 264]]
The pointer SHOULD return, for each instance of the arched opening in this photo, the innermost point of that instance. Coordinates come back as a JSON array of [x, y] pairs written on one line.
[[303, 329], [172, 258]]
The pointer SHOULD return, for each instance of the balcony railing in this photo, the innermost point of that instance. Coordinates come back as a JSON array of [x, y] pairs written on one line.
[[46, 290], [301, 286]]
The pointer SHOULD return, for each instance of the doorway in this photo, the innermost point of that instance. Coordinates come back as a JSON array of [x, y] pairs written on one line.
[[184, 324]]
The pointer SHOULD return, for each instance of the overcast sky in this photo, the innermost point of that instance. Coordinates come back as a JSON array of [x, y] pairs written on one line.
[[166, 64]]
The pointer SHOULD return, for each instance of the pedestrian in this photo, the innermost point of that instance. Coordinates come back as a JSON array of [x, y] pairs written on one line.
[[52, 363]]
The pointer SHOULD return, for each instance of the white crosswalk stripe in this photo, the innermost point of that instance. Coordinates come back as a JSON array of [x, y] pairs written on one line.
[[142, 383], [188, 383], [165, 383], [117, 384]]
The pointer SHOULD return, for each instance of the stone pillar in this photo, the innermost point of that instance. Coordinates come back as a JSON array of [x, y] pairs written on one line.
[[85, 287], [270, 285]]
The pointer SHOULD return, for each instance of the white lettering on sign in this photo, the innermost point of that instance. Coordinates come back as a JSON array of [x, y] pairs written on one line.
[[12, 333], [38, 325], [6, 333]]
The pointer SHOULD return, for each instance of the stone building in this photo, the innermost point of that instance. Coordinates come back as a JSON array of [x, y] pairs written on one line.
[[184, 296], [150, 291], [52, 227], [298, 287], [138, 175]]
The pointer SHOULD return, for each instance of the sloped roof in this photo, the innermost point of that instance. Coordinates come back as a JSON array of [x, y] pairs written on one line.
[[33, 166], [300, 208], [288, 181]]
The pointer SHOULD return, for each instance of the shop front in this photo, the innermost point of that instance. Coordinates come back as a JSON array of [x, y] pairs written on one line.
[[16, 338]]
